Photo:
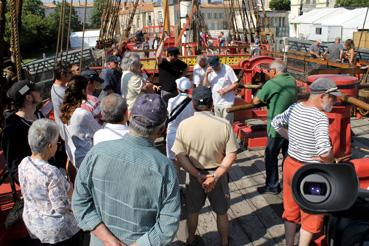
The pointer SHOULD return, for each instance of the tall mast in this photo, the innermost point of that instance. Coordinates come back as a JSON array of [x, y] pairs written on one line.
[[165, 6]]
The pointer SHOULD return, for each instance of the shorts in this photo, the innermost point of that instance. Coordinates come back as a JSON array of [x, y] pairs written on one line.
[[221, 111], [219, 197], [292, 212]]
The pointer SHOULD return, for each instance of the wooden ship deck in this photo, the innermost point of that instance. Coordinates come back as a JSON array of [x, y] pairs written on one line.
[[255, 219]]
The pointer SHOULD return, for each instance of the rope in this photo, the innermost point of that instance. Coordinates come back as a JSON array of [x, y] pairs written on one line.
[[15, 38], [242, 20], [130, 21], [252, 20], [361, 33], [58, 39], [62, 30], [83, 35], [266, 23], [107, 22], [244, 9], [115, 19], [256, 14], [69, 24], [234, 20]]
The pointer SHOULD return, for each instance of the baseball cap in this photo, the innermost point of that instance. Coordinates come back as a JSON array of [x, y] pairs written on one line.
[[21, 88], [173, 51], [213, 61], [152, 108], [91, 75], [183, 84], [201, 95], [325, 86], [115, 59]]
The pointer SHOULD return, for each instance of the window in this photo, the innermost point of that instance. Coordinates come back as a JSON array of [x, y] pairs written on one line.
[[138, 21], [215, 15], [149, 23], [160, 16], [209, 15], [221, 16], [318, 31]]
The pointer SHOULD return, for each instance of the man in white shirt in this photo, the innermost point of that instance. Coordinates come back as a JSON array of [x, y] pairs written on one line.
[[115, 115], [223, 82], [199, 70], [179, 108]]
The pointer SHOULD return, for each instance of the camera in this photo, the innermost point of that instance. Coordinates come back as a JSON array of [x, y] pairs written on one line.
[[333, 189]]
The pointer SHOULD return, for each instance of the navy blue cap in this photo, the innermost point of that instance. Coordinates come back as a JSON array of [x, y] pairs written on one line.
[[173, 51], [91, 75], [201, 95], [21, 88], [115, 59], [152, 108], [213, 61]]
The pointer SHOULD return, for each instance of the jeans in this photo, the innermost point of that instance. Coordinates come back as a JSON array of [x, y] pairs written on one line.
[[272, 150]]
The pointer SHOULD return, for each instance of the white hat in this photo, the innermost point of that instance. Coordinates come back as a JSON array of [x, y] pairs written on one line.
[[183, 84]]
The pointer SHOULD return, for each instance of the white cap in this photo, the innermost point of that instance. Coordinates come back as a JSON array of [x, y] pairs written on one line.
[[183, 84]]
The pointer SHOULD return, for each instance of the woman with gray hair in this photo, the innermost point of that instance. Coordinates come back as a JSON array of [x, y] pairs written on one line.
[[46, 192], [132, 82]]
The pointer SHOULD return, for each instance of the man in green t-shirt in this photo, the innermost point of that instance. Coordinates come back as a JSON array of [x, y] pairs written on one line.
[[278, 94]]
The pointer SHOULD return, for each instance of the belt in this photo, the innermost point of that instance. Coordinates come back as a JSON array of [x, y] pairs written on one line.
[[294, 159]]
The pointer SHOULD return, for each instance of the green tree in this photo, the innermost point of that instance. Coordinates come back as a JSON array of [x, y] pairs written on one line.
[[33, 26], [33, 7], [52, 22], [38, 31], [280, 4], [352, 3], [54, 19], [97, 12]]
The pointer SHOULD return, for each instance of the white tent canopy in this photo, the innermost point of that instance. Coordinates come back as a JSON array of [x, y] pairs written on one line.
[[328, 23], [89, 40]]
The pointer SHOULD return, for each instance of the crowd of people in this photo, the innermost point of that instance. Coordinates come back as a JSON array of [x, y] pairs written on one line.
[[335, 52], [125, 191]]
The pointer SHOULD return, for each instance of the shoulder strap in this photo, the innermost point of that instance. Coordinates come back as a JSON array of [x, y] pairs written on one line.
[[178, 109], [56, 93]]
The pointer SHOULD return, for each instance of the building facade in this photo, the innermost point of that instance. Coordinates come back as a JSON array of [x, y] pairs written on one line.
[[144, 16], [79, 8], [298, 7]]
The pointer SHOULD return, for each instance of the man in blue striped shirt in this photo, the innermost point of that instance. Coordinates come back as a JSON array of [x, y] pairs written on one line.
[[126, 191], [305, 125]]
